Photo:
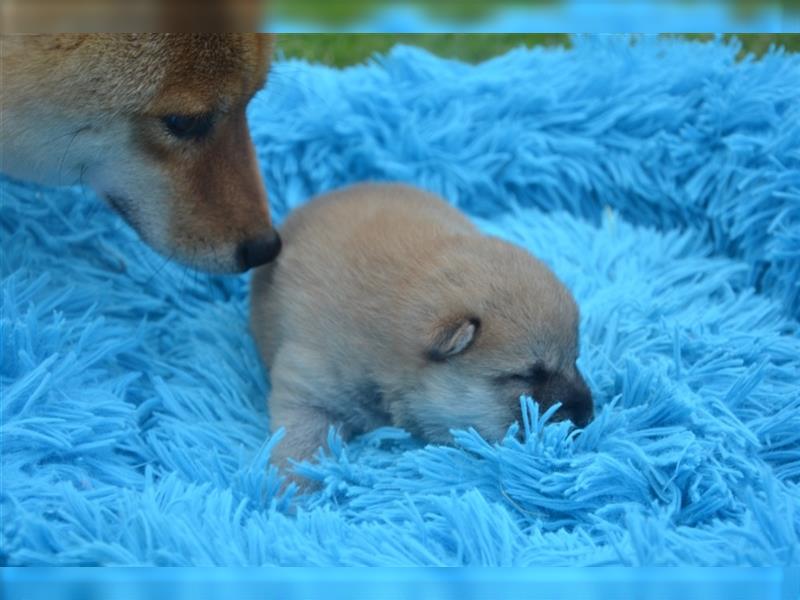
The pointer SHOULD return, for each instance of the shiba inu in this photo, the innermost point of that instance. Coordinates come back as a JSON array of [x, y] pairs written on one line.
[[155, 123], [388, 307]]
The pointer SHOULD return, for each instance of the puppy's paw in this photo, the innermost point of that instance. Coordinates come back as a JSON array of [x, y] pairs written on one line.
[[302, 485]]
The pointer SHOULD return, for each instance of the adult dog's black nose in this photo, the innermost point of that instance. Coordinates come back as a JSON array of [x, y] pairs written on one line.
[[258, 250]]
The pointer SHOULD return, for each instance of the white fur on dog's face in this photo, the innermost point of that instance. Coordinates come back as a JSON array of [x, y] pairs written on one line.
[[101, 109]]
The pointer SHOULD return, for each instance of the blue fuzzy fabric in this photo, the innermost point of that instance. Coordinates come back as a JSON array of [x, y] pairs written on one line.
[[660, 180]]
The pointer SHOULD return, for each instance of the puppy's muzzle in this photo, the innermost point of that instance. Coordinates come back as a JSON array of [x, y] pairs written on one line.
[[259, 250], [575, 398], [579, 408]]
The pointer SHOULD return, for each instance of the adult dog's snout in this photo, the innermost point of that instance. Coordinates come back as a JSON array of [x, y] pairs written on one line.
[[258, 250]]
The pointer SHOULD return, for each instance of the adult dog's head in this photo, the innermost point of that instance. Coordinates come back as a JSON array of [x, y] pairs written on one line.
[[156, 124]]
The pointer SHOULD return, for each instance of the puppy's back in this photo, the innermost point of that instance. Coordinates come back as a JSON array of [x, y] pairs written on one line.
[[345, 254], [340, 214]]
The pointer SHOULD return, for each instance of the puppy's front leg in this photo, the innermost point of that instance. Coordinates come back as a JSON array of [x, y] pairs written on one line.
[[297, 404], [306, 429]]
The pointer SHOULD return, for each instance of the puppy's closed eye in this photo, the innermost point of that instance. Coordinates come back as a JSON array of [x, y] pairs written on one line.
[[187, 127], [536, 375]]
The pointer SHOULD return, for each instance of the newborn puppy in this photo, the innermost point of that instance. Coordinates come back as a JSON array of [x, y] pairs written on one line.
[[388, 307]]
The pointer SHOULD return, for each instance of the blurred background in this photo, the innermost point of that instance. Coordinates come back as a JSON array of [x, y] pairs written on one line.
[[342, 50], [689, 583], [517, 16], [475, 30], [407, 16]]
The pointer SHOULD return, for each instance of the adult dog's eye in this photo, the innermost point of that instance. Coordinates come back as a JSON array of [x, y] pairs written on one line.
[[188, 126]]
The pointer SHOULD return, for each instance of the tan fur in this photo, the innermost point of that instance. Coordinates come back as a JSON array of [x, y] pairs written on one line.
[[79, 16], [387, 306], [87, 109]]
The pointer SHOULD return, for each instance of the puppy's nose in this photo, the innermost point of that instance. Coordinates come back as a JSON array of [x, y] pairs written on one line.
[[579, 407], [258, 250], [581, 417]]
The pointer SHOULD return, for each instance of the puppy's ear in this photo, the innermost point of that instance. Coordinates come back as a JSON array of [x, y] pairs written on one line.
[[452, 337]]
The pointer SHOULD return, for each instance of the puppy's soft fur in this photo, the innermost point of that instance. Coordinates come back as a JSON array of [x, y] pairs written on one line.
[[387, 306], [156, 124]]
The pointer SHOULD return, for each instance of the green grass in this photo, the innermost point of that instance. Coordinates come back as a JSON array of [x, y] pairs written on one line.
[[342, 12], [340, 50]]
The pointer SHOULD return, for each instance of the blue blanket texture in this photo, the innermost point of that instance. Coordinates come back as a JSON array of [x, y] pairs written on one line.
[[660, 180]]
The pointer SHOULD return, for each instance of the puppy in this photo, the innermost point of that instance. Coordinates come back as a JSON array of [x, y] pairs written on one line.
[[156, 124], [388, 307]]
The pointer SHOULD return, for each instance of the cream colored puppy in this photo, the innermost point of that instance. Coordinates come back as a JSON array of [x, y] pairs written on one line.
[[388, 307]]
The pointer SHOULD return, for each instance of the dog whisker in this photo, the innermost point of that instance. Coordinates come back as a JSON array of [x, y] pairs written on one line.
[[158, 270], [66, 150]]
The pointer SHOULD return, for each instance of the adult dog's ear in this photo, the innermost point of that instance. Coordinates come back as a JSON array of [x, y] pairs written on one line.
[[451, 337]]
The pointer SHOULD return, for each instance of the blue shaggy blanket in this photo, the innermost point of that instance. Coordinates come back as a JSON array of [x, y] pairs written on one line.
[[660, 180]]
